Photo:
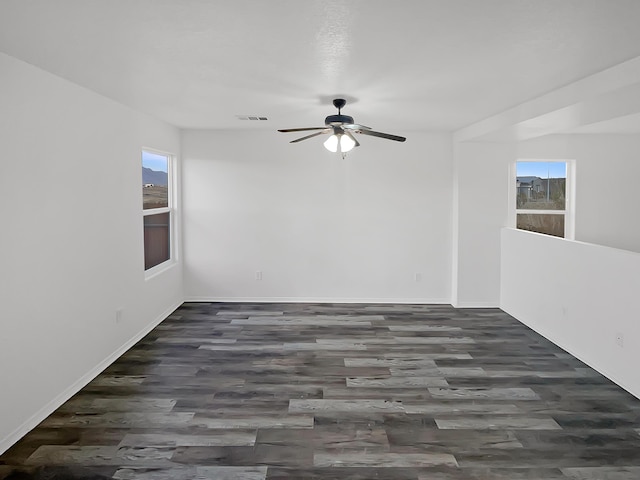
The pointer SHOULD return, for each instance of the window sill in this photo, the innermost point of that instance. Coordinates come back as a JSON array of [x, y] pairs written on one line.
[[160, 269]]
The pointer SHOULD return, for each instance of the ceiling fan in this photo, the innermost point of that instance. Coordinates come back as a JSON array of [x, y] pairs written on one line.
[[342, 129]]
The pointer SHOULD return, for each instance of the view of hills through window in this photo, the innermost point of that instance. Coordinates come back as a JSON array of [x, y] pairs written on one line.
[[155, 180]]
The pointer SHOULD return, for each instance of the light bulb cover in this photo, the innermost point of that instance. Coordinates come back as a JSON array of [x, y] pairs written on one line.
[[331, 143], [346, 143]]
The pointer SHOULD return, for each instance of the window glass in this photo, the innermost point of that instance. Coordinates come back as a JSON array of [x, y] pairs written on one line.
[[157, 208], [541, 197], [541, 185], [157, 243], [541, 223], [155, 180]]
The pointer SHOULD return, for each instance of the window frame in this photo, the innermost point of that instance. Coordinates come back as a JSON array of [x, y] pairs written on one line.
[[569, 207], [171, 209]]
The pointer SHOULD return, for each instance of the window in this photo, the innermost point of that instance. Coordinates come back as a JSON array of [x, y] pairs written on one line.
[[157, 206], [543, 197]]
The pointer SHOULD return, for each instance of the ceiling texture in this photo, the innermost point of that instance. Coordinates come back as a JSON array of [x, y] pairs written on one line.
[[402, 65]]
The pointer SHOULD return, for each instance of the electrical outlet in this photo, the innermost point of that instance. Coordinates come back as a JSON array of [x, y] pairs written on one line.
[[118, 315], [258, 275], [620, 340], [418, 277]]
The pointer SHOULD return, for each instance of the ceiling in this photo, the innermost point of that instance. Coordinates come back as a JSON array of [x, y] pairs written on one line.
[[625, 125], [402, 65]]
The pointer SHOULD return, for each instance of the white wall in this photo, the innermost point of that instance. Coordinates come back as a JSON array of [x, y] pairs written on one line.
[[482, 190], [318, 227], [71, 240], [579, 296]]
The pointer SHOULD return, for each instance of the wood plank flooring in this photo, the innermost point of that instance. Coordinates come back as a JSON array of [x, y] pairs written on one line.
[[322, 391]]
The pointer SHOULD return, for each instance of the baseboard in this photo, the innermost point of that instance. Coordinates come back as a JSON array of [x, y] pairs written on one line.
[[78, 385], [404, 301], [475, 305]]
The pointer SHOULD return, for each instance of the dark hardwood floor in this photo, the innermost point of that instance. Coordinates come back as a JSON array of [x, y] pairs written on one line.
[[321, 391]]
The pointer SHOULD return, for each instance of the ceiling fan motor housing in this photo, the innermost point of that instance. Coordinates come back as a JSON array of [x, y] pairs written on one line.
[[333, 119]]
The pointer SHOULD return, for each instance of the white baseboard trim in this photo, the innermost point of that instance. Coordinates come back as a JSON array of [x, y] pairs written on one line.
[[476, 305], [419, 301], [78, 385]]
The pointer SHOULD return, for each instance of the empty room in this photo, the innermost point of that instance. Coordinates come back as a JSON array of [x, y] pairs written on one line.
[[278, 239]]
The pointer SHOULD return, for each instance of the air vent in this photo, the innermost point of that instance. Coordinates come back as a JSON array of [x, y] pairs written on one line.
[[250, 117]]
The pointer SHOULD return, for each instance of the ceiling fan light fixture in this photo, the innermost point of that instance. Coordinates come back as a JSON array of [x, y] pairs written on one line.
[[339, 142], [331, 143], [346, 143]]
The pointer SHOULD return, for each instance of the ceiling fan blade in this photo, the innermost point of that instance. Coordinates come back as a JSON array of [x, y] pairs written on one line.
[[286, 130], [388, 136], [309, 136], [348, 134], [355, 126]]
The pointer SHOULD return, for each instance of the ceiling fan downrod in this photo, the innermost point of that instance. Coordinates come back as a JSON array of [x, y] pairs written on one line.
[[339, 103]]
